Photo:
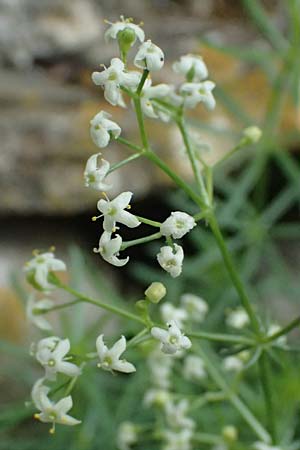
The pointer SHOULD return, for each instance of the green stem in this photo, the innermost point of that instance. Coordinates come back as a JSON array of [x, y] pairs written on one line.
[[247, 415], [293, 324], [268, 394], [124, 162], [218, 337], [141, 123], [142, 82], [205, 438], [235, 278], [142, 240], [153, 223], [136, 148], [62, 306]]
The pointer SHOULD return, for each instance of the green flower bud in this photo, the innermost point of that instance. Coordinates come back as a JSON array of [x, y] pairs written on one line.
[[253, 134], [230, 433], [155, 292], [126, 39]]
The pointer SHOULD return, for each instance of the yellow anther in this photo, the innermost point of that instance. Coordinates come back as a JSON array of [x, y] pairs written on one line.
[[52, 248], [94, 218], [128, 206], [36, 416], [52, 430], [35, 252]]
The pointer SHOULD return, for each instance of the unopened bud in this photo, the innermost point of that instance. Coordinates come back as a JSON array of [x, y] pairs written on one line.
[[253, 134], [126, 39], [230, 433], [155, 292]]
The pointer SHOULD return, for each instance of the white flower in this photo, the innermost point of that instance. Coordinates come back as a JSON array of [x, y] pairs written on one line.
[[178, 440], [170, 259], [50, 411], [274, 328], [232, 364], [149, 56], [195, 93], [148, 94], [160, 366], [172, 339], [192, 67], [35, 310], [102, 129], [51, 354], [237, 318], [264, 446], [156, 397], [194, 368], [114, 212], [176, 415], [38, 269], [109, 249], [94, 174], [127, 435], [121, 25], [195, 306], [113, 78], [177, 225], [110, 358], [169, 312]]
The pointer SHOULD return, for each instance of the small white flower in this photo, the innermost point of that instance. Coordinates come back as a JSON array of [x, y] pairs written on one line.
[[102, 129], [178, 440], [150, 93], [94, 174], [192, 67], [264, 446], [194, 368], [110, 358], [127, 435], [109, 249], [274, 328], [38, 269], [172, 339], [232, 364], [169, 312], [195, 93], [156, 397], [149, 56], [170, 259], [113, 78], [114, 212], [35, 310], [237, 318], [177, 225], [176, 415], [50, 411], [51, 354], [195, 306], [121, 25]]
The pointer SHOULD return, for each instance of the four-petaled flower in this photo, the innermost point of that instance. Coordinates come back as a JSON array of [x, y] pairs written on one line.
[[51, 412], [194, 93], [110, 358], [102, 129], [51, 354], [113, 78], [121, 25], [35, 311], [177, 225], [149, 56], [114, 212], [109, 249], [192, 67], [171, 258], [38, 269], [172, 339], [94, 174]]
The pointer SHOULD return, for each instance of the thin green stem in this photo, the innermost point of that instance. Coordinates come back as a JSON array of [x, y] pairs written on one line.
[[205, 438], [268, 394], [141, 123], [124, 162], [62, 306], [142, 240], [235, 278], [283, 331], [219, 337], [142, 82], [136, 148], [150, 222]]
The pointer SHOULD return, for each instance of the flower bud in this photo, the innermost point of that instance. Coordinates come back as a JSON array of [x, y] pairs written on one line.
[[155, 292], [126, 39], [230, 433], [253, 134]]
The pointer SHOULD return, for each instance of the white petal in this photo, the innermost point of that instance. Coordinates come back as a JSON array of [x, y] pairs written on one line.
[[118, 348], [128, 219], [64, 405], [101, 347], [124, 366], [62, 349], [159, 333]]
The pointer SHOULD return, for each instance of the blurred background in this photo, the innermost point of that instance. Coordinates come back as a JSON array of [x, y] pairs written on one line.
[[48, 49]]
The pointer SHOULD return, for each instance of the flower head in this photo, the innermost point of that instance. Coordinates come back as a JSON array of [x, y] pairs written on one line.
[[177, 225], [35, 310], [124, 24], [110, 358], [51, 354], [170, 259], [38, 268], [156, 397], [170, 313], [194, 368], [176, 414], [178, 440], [109, 249], [127, 435], [172, 339], [195, 307], [194, 93], [160, 366], [148, 96], [102, 129], [237, 318], [114, 212], [94, 174], [149, 56], [233, 364], [50, 411], [113, 78], [192, 67]]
